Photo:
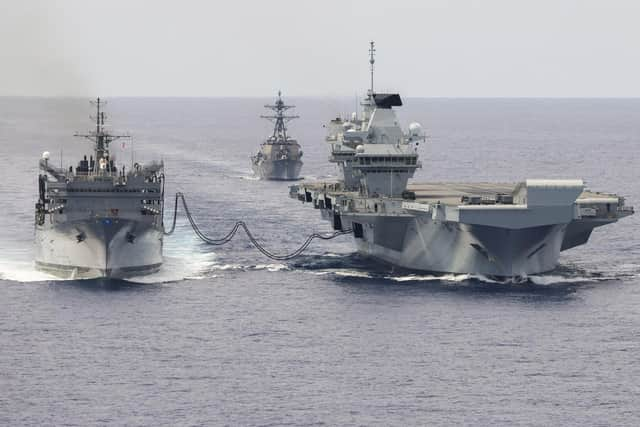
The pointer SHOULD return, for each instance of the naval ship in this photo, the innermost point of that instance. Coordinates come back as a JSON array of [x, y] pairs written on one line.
[[99, 219], [279, 155], [491, 229]]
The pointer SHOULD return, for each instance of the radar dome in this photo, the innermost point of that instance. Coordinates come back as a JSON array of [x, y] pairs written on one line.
[[415, 129], [46, 155], [360, 149]]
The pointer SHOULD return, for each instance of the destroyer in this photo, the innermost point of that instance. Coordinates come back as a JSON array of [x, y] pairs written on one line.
[[279, 156], [483, 228], [99, 220]]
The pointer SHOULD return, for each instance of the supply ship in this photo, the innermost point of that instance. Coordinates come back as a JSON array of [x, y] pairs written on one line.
[[99, 219], [279, 157], [492, 229]]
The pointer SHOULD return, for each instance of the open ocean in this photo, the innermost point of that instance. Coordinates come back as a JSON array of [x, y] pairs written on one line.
[[225, 336]]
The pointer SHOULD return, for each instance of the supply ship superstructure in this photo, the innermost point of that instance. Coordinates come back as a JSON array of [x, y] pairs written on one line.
[[99, 220], [491, 229], [279, 157]]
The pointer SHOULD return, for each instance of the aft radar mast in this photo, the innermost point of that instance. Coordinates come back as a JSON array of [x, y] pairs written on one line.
[[280, 119], [101, 137]]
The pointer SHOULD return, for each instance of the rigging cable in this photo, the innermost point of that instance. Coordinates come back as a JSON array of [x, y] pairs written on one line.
[[241, 224]]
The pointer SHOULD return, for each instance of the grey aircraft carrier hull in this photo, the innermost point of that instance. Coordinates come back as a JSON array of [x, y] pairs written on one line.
[[423, 244], [278, 170], [434, 233], [102, 247]]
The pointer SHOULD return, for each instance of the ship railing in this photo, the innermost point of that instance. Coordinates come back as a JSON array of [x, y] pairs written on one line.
[[94, 178], [627, 210]]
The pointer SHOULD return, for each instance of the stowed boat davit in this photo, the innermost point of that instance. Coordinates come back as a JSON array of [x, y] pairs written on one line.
[[279, 157], [99, 220], [483, 228]]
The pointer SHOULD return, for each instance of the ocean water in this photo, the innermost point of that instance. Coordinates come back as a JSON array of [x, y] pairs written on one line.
[[224, 336]]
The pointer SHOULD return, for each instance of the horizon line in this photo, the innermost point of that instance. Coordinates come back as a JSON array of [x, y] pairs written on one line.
[[316, 96]]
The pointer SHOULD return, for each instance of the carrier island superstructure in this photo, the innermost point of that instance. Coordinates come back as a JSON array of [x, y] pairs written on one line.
[[279, 157], [99, 220], [503, 230]]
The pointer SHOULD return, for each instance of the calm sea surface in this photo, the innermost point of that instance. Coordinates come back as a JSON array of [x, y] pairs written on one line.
[[224, 336]]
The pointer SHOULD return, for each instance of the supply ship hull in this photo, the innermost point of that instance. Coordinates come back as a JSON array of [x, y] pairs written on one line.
[[106, 251]]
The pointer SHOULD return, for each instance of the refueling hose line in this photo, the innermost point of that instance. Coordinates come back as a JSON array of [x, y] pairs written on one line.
[[241, 224]]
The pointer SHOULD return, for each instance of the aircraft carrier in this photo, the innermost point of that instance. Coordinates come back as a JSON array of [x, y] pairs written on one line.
[[492, 229], [99, 220], [279, 157]]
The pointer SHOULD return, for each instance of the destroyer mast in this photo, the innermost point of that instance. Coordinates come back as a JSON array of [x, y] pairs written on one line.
[[279, 130]]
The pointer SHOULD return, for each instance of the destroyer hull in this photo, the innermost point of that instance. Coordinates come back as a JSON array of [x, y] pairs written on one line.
[[96, 248], [278, 170]]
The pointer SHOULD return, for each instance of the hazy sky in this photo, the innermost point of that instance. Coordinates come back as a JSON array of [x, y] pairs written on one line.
[[493, 48]]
